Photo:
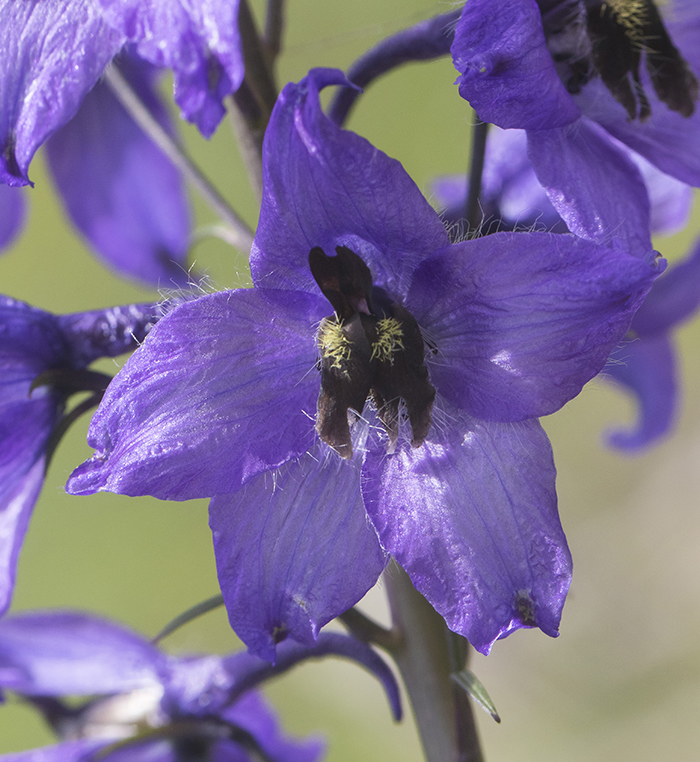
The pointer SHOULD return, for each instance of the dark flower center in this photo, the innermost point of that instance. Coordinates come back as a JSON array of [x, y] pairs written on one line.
[[371, 346], [609, 41]]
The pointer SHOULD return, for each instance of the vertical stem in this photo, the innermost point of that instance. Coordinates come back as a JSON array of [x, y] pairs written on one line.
[[274, 28], [472, 211], [426, 655]]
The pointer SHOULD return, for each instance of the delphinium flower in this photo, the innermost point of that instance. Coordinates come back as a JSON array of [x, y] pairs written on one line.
[[575, 73], [119, 189], [44, 360], [146, 704], [375, 393], [645, 362]]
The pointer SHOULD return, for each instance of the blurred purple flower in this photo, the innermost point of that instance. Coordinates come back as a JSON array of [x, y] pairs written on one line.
[[221, 400], [146, 704], [549, 68], [43, 360]]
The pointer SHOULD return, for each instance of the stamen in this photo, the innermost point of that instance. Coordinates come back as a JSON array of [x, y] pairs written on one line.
[[389, 340]]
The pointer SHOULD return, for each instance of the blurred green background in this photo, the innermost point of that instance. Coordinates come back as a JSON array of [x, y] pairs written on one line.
[[623, 680]]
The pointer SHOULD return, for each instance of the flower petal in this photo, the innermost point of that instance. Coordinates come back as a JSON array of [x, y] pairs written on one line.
[[68, 751], [294, 550], [52, 54], [471, 515], [12, 214], [326, 187], [120, 190], [521, 321], [593, 184], [198, 41], [506, 70], [647, 368], [223, 388], [54, 653], [675, 297]]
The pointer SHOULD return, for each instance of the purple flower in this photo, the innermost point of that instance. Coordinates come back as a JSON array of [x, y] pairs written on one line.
[[146, 704], [572, 75], [251, 396], [54, 53], [645, 363], [43, 360]]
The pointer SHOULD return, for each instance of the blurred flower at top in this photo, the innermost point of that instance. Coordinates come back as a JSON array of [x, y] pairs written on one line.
[[645, 363], [43, 361], [247, 396], [575, 73], [118, 188]]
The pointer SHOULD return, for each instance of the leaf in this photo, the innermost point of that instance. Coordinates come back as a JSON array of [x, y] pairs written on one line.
[[469, 682]]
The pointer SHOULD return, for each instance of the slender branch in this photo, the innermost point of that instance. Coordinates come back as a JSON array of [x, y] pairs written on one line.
[[472, 211], [423, 42], [204, 607], [241, 232], [274, 28], [366, 629], [426, 657]]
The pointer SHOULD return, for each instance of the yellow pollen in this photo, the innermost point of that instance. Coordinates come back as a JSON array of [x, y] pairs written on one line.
[[333, 343], [389, 340], [632, 15]]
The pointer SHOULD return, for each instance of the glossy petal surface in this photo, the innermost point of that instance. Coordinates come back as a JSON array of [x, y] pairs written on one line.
[[594, 185], [199, 41], [325, 187], [288, 549], [52, 54], [471, 516], [60, 653], [521, 322], [225, 387], [119, 189], [506, 70]]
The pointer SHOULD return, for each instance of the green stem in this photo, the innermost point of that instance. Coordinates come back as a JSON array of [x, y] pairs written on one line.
[[472, 212], [240, 232], [426, 654]]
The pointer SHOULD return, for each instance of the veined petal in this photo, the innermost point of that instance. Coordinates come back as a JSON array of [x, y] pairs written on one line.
[[45, 653], [326, 187], [198, 41], [593, 184], [224, 387], [52, 54], [647, 368], [471, 515], [670, 199], [506, 70], [12, 214], [294, 550], [120, 190], [521, 321]]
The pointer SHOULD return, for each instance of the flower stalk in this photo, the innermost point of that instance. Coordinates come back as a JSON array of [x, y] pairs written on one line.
[[426, 656]]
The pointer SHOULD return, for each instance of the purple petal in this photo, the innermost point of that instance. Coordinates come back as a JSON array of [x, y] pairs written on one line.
[[198, 41], [671, 200], [12, 214], [471, 515], [251, 671], [674, 297], [252, 713], [52, 53], [647, 368], [593, 184], [521, 321], [224, 387], [120, 190], [506, 70], [19, 494], [68, 751], [294, 550], [59, 653], [325, 187]]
